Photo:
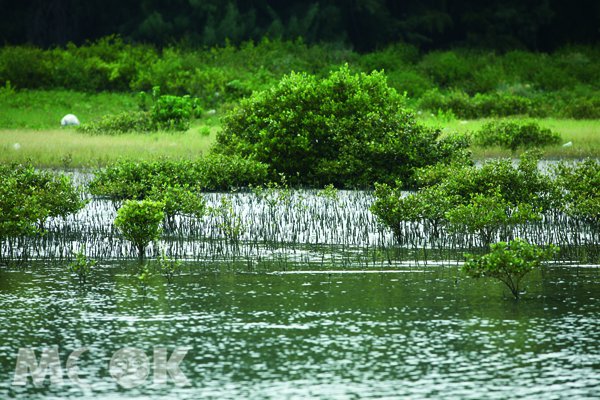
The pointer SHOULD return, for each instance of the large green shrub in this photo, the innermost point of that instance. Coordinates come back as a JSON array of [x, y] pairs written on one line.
[[347, 129]]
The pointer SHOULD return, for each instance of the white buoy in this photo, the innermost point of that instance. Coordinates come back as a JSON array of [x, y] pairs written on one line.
[[568, 144], [69, 120]]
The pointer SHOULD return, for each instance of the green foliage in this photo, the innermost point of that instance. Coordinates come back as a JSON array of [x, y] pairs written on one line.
[[484, 200], [227, 220], [178, 200], [29, 197], [348, 129], [173, 112], [470, 83], [515, 134], [487, 214], [274, 194], [428, 205], [523, 183], [581, 183], [82, 266], [167, 112], [168, 268], [508, 262], [137, 180], [446, 68], [330, 193], [478, 106], [139, 221], [117, 124]]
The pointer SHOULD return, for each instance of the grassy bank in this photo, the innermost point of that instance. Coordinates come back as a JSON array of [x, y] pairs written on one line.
[[43, 109], [67, 148], [584, 136], [30, 130], [63, 148]]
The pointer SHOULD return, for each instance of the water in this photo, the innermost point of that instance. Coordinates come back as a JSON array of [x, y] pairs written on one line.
[[406, 332]]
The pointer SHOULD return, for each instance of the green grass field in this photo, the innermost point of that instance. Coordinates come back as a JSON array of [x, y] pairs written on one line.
[[583, 134], [30, 131], [65, 148]]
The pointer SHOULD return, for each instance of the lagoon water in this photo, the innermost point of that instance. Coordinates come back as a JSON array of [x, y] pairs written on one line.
[[406, 332]]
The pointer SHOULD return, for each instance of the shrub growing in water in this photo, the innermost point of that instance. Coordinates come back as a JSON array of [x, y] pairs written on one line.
[[508, 262], [514, 135], [140, 222], [29, 197], [136, 180], [581, 183], [468, 199], [347, 129]]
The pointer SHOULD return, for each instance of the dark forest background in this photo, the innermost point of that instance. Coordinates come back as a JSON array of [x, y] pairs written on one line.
[[364, 25]]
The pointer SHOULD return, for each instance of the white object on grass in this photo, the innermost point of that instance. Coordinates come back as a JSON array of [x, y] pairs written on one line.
[[568, 144], [16, 146], [69, 120]]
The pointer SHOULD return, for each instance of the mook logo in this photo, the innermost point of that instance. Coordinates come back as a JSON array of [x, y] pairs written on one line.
[[129, 367]]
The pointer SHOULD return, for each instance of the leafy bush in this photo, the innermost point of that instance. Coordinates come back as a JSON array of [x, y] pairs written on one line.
[[581, 183], [446, 68], [478, 106], [173, 112], [140, 221], [178, 200], [166, 112], [346, 129], [82, 266], [482, 200], [508, 262], [583, 108], [486, 214], [515, 134], [137, 180], [119, 123], [29, 197]]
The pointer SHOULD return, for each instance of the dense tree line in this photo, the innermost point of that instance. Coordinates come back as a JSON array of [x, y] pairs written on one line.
[[362, 24]]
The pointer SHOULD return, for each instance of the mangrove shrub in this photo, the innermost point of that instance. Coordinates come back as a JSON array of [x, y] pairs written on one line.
[[29, 197], [140, 222], [508, 262], [347, 129]]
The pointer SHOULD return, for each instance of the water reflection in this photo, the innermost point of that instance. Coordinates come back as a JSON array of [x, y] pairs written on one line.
[[417, 333]]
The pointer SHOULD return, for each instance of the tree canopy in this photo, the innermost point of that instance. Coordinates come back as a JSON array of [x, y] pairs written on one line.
[[361, 24]]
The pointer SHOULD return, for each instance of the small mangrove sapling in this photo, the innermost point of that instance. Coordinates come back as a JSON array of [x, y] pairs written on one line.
[[140, 222], [508, 262], [82, 266]]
